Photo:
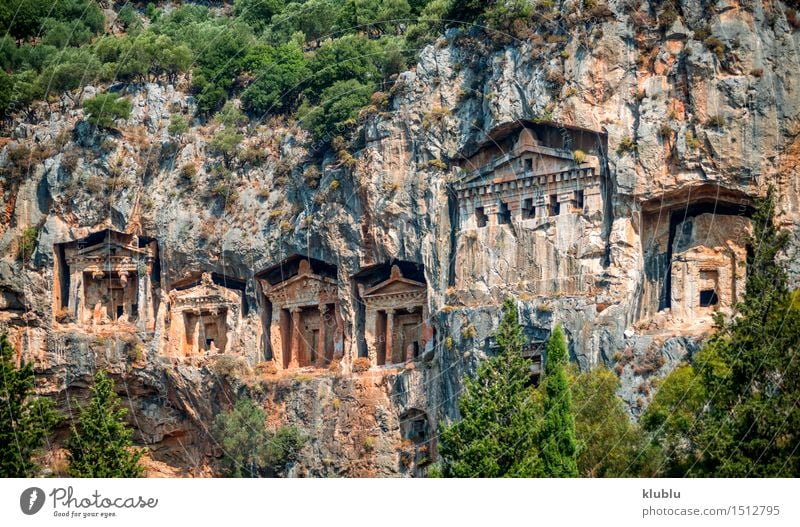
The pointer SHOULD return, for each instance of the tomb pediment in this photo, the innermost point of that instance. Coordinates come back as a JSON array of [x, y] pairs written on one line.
[[304, 289], [207, 294], [397, 289], [536, 160], [108, 252], [107, 246]]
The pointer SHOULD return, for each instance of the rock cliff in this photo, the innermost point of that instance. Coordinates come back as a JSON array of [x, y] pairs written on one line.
[[685, 119]]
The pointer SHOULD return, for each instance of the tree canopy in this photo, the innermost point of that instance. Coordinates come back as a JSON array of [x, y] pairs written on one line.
[[497, 433], [25, 420], [100, 445]]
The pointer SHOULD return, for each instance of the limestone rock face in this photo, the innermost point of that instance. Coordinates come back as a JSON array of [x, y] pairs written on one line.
[[629, 227]]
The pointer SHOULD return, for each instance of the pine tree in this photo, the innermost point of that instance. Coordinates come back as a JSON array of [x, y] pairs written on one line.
[[25, 420], [496, 435], [100, 446], [558, 444]]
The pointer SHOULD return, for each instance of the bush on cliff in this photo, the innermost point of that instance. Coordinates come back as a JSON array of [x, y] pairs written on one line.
[[248, 448]]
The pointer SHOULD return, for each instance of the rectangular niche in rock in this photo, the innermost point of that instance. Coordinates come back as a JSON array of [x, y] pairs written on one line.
[[709, 265], [694, 247], [204, 317], [396, 324], [106, 278], [525, 197], [306, 329]]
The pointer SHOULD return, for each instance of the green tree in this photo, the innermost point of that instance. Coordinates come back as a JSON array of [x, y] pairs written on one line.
[[609, 444], [105, 108], [226, 143], [257, 13], [249, 449], [279, 74], [101, 446], [743, 418], [315, 19], [349, 58], [672, 415], [25, 420], [466, 10], [557, 437], [177, 125], [497, 433], [128, 18], [338, 109]]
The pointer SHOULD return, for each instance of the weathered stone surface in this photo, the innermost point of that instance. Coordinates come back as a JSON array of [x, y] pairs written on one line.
[[683, 127]]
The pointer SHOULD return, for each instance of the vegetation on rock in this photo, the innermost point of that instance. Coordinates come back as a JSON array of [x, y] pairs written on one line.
[[100, 445], [733, 412], [25, 420], [249, 449]]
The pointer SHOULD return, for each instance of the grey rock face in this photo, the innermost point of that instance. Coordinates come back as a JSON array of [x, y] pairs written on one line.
[[677, 115]]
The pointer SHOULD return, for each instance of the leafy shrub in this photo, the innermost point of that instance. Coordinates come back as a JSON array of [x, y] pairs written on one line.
[[627, 145], [106, 108], [188, 172], [226, 144], [469, 332], [250, 450], [279, 74], [27, 243], [177, 125], [337, 110], [266, 368], [230, 367], [716, 121], [716, 46], [691, 141]]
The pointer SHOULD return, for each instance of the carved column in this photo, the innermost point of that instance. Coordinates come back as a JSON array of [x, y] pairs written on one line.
[[196, 334], [294, 347], [323, 327], [338, 335], [389, 336], [145, 321], [427, 331], [75, 301], [276, 336], [370, 334]]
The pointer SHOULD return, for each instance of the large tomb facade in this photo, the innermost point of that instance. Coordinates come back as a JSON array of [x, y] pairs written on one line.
[[396, 322], [106, 278], [695, 254], [306, 328], [204, 318], [530, 212], [709, 266]]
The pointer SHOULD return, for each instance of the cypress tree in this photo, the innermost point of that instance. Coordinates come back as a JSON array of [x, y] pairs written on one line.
[[25, 420], [558, 443], [101, 446], [496, 435]]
